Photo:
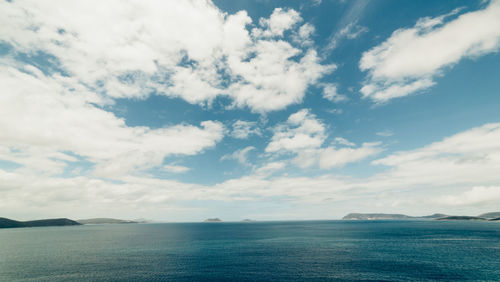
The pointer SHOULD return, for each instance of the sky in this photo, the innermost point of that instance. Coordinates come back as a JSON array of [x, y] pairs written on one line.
[[268, 110]]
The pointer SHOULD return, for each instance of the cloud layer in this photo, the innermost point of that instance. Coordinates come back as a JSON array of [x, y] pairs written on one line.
[[45, 126], [458, 171]]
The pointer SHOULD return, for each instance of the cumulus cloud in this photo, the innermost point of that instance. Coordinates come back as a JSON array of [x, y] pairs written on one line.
[[186, 49], [301, 131], [411, 59], [304, 135], [243, 129], [279, 21]]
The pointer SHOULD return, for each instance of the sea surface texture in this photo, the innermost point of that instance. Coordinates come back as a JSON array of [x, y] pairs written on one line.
[[256, 251]]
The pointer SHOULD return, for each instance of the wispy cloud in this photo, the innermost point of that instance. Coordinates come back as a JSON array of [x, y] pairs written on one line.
[[239, 155], [385, 133], [176, 168], [348, 27]]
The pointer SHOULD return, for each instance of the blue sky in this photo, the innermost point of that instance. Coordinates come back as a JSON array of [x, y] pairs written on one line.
[[268, 110]]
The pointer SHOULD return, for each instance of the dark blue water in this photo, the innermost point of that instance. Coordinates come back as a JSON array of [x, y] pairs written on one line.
[[314, 250]]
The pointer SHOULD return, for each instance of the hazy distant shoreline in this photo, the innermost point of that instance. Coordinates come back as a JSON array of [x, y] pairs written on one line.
[[10, 223], [490, 216]]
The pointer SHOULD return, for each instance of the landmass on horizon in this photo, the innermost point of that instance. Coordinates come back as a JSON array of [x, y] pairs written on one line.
[[106, 221], [491, 216], [9, 223]]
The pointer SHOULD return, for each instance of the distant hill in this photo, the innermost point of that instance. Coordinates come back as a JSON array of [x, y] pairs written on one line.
[[462, 217], [213, 220], [436, 215], [490, 215], [493, 216], [104, 221], [375, 216], [9, 223], [389, 216]]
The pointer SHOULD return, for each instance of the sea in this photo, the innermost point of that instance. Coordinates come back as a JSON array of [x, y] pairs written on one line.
[[254, 251]]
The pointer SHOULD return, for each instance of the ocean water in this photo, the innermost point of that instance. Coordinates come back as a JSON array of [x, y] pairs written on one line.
[[257, 251]]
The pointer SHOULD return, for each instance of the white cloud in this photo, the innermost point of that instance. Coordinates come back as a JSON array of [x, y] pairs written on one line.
[[330, 93], [411, 59], [243, 129], [239, 155], [186, 49], [176, 168]]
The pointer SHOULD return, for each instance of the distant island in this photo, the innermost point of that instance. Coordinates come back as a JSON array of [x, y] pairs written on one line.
[[9, 223], [388, 216], [105, 221], [247, 220], [213, 220], [492, 216]]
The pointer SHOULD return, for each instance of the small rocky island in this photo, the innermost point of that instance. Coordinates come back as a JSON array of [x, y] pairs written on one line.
[[9, 223], [216, 219]]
